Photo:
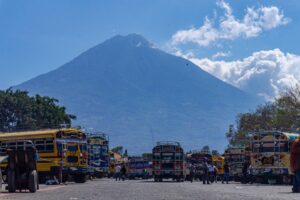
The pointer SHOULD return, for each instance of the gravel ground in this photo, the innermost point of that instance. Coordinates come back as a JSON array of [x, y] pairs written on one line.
[[108, 189]]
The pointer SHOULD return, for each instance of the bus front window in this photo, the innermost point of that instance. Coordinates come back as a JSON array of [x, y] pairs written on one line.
[[72, 147], [264, 147]]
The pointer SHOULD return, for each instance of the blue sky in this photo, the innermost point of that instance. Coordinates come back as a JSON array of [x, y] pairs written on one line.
[[39, 36]]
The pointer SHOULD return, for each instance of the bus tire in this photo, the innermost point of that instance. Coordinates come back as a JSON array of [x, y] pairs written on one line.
[[33, 181], [80, 178], [286, 180], [65, 178], [11, 181], [0, 180]]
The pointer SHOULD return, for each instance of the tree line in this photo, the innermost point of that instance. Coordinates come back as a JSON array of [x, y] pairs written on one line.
[[281, 114], [21, 112]]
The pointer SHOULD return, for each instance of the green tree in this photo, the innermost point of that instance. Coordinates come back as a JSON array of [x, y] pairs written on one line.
[[118, 149], [205, 149], [288, 110], [215, 153], [19, 111], [282, 114]]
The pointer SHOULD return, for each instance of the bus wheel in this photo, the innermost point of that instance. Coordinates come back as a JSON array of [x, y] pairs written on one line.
[[0, 180], [33, 181], [286, 180], [11, 181], [80, 178], [65, 177]]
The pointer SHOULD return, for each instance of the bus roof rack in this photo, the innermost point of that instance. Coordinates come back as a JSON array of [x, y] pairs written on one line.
[[167, 143], [200, 151], [97, 135]]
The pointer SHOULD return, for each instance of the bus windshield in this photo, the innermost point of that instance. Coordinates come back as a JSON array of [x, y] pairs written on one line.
[[262, 147], [72, 147]]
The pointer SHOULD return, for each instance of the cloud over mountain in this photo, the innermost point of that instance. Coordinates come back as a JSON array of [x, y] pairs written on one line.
[[229, 27], [265, 73]]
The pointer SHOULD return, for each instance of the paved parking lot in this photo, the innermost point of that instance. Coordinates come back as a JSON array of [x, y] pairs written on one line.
[[108, 189]]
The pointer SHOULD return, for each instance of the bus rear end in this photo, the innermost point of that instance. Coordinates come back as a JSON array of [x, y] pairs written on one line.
[[198, 160], [168, 161], [98, 162], [270, 156], [138, 168], [218, 161], [236, 158]]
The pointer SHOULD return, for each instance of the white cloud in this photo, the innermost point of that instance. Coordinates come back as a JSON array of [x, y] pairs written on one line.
[[221, 54], [265, 73], [228, 27], [202, 36]]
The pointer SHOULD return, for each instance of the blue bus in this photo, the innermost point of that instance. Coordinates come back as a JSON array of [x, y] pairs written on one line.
[[98, 161]]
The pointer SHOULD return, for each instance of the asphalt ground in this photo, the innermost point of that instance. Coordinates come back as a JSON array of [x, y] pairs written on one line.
[[109, 189]]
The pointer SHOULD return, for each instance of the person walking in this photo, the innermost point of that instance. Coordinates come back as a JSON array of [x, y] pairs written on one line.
[[118, 173], [226, 173], [192, 172], [123, 172], [211, 172], [215, 173], [205, 177], [295, 165], [245, 172]]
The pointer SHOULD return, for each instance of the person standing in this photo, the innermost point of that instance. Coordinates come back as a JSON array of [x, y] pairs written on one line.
[[215, 173], [245, 172], [123, 172], [226, 173], [192, 172], [118, 173], [295, 165], [211, 172], [205, 177]]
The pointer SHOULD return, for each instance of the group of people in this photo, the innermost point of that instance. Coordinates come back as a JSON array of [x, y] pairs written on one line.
[[120, 172], [210, 172]]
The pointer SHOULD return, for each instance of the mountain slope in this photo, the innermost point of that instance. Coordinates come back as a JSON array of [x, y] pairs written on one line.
[[139, 94]]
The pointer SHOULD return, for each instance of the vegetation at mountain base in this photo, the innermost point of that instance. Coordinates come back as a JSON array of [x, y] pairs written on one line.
[[205, 149], [282, 114], [21, 112], [118, 150], [215, 153]]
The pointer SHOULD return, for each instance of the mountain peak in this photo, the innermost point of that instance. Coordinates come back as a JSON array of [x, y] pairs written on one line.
[[126, 89], [133, 39]]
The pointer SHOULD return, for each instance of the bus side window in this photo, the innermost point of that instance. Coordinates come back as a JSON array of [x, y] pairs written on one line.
[[3, 148], [40, 145], [49, 146], [20, 146]]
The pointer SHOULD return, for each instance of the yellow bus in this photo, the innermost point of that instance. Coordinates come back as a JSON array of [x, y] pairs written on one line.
[[218, 161], [57, 149], [270, 156]]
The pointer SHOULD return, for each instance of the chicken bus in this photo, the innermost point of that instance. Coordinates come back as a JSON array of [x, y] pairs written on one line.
[[198, 159], [168, 161], [62, 153], [218, 161], [236, 158], [138, 167], [270, 156], [98, 162]]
